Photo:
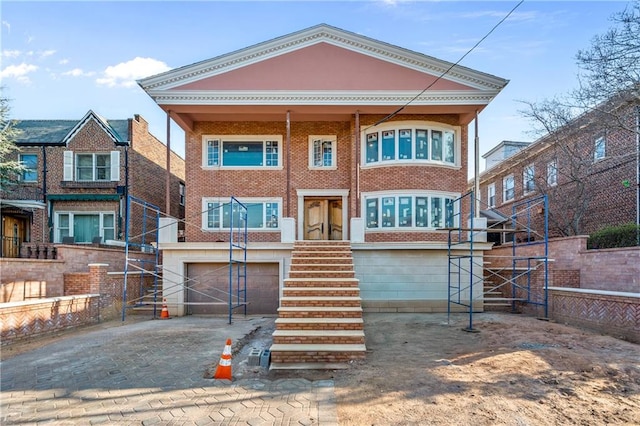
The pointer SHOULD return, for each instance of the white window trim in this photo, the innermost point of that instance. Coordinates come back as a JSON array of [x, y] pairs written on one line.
[[597, 157], [239, 138], [504, 189], [413, 194], [325, 138], [101, 214], [402, 125], [70, 161], [247, 200], [552, 165], [525, 179], [491, 189]]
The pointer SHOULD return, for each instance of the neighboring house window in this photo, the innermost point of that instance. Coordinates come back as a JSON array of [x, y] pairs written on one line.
[[91, 166], [410, 143], [84, 226], [508, 188], [182, 193], [408, 211], [322, 152], [552, 173], [30, 163], [599, 151], [261, 214], [491, 195], [242, 151], [528, 179]]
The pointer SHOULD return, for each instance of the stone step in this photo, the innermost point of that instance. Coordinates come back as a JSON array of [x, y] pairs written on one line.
[[308, 267], [320, 301], [322, 274], [318, 337], [321, 292], [321, 282], [319, 324], [329, 260], [283, 353], [321, 254], [320, 312]]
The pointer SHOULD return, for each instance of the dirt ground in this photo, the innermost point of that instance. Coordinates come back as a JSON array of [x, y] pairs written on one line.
[[516, 370], [422, 370]]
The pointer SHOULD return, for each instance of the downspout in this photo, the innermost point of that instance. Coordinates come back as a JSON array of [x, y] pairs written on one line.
[[44, 198], [638, 175], [168, 174], [125, 195], [476, 165], [357, 125], [288, 148]]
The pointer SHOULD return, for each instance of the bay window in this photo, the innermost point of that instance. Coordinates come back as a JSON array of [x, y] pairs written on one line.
[[409, 211]]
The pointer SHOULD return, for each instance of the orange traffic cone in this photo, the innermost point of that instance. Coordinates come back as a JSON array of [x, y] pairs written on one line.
[[224, 366], [165, 312]]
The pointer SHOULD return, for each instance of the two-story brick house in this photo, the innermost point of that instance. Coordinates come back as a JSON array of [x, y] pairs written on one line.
[[587, 168], [78, 175], [326, 135]]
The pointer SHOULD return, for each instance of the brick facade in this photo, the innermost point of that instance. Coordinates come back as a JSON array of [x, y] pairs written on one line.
[[142, 165], [594, 193]]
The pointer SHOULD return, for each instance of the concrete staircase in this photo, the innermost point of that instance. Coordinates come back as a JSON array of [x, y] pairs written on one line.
[[319, 323]]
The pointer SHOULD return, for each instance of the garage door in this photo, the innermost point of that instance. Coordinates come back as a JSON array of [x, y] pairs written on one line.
[[209, 282]]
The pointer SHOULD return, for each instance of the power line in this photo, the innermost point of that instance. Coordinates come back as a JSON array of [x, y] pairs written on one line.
[[396, 112]]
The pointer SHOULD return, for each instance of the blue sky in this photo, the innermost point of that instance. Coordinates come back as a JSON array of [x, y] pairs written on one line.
[[60, 59]]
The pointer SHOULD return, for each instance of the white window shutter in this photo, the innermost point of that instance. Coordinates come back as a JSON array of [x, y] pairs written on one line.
[[115, 165], [67, 172]]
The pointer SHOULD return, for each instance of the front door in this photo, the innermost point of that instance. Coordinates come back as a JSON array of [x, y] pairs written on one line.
[[13, 235], [322, 219]]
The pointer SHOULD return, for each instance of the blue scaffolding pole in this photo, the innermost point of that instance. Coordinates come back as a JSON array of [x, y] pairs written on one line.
[[141, 243], [237, 257]]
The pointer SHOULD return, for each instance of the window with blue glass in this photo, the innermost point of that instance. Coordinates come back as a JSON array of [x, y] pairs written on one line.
[[411, 144], [260, 215], [30, 164], [242, 151], [409, 212]]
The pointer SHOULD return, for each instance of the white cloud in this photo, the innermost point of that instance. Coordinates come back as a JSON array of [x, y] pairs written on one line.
[[64, 61], [19, 72], [11, 53], [78, 72], [46, 53], [125, 74], [7, 25]]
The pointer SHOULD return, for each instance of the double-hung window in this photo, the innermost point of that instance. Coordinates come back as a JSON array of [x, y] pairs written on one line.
[[181, 189], [552, 173], [599, 149], [30, 164], [491, 195], [261, 214], [242, 151], [528, 179], [91, 167], [408, 211], [410, 142], [508, 188], [322, 152]]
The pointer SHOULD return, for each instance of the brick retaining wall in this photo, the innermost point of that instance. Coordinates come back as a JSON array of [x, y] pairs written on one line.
[[613, 313], [25, 319]]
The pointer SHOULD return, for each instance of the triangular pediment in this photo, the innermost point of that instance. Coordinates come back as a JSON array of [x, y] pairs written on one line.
[[91, 116], [320, 65]]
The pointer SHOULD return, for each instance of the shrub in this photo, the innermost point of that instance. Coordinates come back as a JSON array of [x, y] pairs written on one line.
[[614, 236]]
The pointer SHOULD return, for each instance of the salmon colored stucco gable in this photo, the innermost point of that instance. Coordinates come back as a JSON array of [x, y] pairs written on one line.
[[322, 66]]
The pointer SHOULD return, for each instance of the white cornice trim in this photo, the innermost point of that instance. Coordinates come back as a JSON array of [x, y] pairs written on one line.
[[372, 98], [314, 35]]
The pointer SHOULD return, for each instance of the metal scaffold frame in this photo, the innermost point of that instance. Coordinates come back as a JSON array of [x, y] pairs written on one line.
[[132, 241], [150, 219], [466, 273]]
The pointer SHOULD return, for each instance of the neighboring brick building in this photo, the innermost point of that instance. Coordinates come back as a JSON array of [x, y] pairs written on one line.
[[307, 130], [78, 176], [588, 168]]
